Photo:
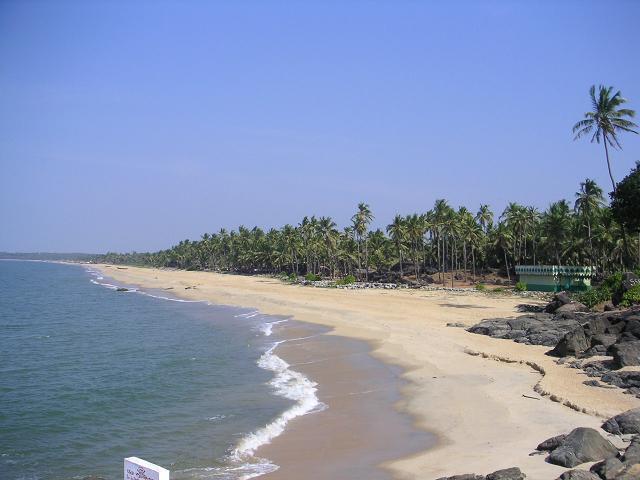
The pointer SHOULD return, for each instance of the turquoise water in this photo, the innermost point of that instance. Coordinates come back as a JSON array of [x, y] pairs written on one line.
[[89, 375]]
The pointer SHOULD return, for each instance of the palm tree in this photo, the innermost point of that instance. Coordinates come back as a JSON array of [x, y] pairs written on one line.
[[557, 225], [361, 221], [606, 121], [415, 232], [484, 217], [588, 201], [397, 231]]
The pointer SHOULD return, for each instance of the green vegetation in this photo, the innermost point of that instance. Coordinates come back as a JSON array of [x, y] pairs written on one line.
[[606, 120], [442, 242], [347, 280], [521, 287], [312, 277], [593, 297], [631, 296], [481, 287]]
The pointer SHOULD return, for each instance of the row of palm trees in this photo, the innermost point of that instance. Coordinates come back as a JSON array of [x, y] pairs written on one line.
[[436, 242], [439, 242]]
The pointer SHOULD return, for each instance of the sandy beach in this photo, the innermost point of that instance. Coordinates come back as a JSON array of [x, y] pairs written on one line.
[[467, 390]]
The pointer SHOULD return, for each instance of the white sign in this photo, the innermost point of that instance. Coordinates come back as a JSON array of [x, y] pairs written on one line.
[[137, 469]]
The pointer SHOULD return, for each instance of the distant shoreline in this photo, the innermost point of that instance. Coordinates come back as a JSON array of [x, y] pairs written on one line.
[[472, 403]]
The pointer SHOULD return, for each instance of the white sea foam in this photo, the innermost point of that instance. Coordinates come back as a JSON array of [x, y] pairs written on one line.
[[267, 328], [286, 383]]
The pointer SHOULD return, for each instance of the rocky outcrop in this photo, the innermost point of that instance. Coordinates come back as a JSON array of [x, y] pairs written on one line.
[[578, 475], [551, 443], [580, 446], [626, 422], [625, 353], [512, 473], [608, 469]]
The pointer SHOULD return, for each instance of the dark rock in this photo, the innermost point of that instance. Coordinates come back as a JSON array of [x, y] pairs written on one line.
[[551, 443], [578, 475], [456, 324], [572, 307], [626, 353], [604, 339], [608, 307], [559, 299], [633, 327], [607, 469], [626, 422], [629, 472], [632, 453], [591, 383], [466, 476], [573, 343], [122, 289], [512, 473], [582, 445]]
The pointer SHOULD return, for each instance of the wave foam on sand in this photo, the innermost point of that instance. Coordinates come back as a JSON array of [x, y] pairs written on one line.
[[286, 383]]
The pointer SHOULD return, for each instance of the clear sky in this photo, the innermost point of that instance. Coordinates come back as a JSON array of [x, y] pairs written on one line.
[[133, 125]]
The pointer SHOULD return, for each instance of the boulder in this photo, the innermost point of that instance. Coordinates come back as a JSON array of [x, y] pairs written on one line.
[[512, 473], [607, 469], [604, 339], [466, 476], [632, 453], [572, 307], [625, 353], [551, 443], [626, 422], [559, 299], [122, 289], [579, 475], [629, 472], [573, 343], [582, 445], [608, 307]]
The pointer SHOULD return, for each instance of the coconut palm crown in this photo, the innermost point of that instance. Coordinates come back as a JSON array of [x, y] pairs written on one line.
[[606, 120]]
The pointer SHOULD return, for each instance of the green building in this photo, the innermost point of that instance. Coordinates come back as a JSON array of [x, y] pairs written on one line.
[[553, 278]]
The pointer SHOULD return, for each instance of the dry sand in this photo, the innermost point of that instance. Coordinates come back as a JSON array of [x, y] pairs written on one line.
[[466, 389]]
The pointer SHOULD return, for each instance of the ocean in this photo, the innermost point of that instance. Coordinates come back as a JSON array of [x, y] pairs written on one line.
[[90, 375]]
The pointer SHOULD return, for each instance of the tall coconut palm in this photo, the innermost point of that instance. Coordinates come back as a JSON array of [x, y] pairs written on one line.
[[397, 231], [484, 217], [588, 201], [361, 221], [606, 121], [557, 226]]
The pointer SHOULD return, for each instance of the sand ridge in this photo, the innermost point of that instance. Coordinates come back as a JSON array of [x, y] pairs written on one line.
[[467, 389]]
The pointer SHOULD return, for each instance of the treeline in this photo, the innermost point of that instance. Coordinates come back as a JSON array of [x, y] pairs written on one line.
[[442, 240]]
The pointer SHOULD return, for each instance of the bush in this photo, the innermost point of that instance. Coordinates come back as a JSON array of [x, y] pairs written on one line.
[[293, 277], [631, 296], [481, 287], [521, 287], [613, 283], [593, 297], [312, 277], [348, 279]]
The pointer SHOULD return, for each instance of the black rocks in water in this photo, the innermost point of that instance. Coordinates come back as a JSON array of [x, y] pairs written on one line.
[[122, 289], [580, 446], [626, 422], [512, 473]]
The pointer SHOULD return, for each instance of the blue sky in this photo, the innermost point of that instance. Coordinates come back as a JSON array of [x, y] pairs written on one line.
[[133, 125]]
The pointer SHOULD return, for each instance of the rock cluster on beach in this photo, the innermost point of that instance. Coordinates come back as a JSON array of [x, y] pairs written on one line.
[[583, 445], [572, 331]]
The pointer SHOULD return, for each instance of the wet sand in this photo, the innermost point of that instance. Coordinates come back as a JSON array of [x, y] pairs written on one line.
[[472, 392], [359, 430]]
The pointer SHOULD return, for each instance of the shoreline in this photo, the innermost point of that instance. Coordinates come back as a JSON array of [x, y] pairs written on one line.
[[451, 375]]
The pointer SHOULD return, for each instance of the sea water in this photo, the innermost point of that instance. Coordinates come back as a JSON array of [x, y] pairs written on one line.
[[90, 375]]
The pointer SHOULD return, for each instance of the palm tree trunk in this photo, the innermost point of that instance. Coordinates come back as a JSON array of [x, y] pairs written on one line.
[[606, 151], [506, 264]]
